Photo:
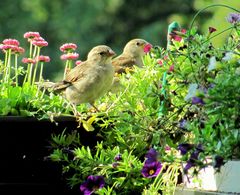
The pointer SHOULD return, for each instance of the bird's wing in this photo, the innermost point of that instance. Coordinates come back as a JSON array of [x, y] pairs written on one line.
[[122, 62], [77, 72], [61, 85]]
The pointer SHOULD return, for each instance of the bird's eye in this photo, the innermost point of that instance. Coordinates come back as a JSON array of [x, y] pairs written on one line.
[[137, 43], [102, 53]]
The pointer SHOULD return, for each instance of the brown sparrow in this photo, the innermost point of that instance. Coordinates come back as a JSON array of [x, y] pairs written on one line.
[[132, 54], [91, 79]]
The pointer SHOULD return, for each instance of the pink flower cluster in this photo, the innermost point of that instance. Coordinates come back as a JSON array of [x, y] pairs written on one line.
[[13, 45], [35, 39], [40, 58], [68, 49]]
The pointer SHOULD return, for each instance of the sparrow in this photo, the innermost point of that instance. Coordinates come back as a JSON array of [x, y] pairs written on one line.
[[132, 54], [91, 79]]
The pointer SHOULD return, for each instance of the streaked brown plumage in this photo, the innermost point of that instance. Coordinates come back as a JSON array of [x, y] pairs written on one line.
[[90, 80], [132, 54]]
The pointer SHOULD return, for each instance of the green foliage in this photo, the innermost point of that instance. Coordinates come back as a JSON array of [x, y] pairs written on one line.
[[192, 82]]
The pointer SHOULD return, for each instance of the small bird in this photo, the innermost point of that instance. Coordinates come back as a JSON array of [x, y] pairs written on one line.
[[132, 54], [91, 79]]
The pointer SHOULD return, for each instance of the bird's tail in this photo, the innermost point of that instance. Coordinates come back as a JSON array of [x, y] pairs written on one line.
[[51, 86]]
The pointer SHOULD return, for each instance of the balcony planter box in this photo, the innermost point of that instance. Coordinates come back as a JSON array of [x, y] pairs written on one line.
[[24, 145], [226, 181]]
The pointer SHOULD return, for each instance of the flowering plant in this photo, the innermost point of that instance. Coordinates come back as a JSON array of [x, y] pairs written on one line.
[[180, 107], [20, 96]]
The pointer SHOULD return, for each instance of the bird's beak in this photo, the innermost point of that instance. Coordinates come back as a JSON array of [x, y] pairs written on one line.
[[111, 53]]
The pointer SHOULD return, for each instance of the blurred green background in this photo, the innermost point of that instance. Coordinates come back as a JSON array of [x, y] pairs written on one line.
[[112, 22]]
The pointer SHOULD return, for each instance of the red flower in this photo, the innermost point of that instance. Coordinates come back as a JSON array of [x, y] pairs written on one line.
[[43, 58], [160, 62], [68, 47], [177, 36], [11, 42], [147, 48], [171, 68], [69, 56], [211, 29]]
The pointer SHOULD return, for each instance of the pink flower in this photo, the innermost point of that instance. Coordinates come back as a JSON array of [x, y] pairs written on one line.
[[31, 35], [40, 43], [177, 36], [38, 39], [69, 56], [160, 62], [78, 62], [147, 48], [165, 57], [68, 47], [28, 61], [171, 68], [8, 47], [43, 58], [183, 31], [11, 42], [167, 148], [18, 50]]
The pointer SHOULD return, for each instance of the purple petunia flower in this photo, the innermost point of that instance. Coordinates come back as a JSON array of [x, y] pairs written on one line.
[[118, 157], [233, 18], [115, 164], [151, 155], [189, 165], [183, 124], [184, 148], [151, 169], [218, 162], [92, 184], [197, 100]]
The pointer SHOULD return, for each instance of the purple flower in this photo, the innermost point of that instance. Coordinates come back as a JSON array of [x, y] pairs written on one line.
[[92, 184], [184, 148], [233, 18], [118, 157], [151, 169], [115, 165], [218, 162], [183, 124], [151, 155], [197, 100], [199, 147], [189, 165]]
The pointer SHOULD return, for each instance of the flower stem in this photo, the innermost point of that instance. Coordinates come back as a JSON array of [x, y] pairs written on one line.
[[36, 66], [16, 69]]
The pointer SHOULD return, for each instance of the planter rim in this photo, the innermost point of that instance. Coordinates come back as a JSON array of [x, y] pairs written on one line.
[[27, 118]]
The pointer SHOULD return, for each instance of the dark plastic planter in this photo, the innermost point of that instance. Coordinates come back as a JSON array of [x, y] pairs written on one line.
[[23, 149]]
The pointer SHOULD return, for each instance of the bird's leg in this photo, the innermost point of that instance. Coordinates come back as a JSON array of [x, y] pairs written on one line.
[[75, 112]]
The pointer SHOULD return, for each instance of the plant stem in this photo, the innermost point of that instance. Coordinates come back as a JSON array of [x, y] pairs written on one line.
[[16, 69]]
